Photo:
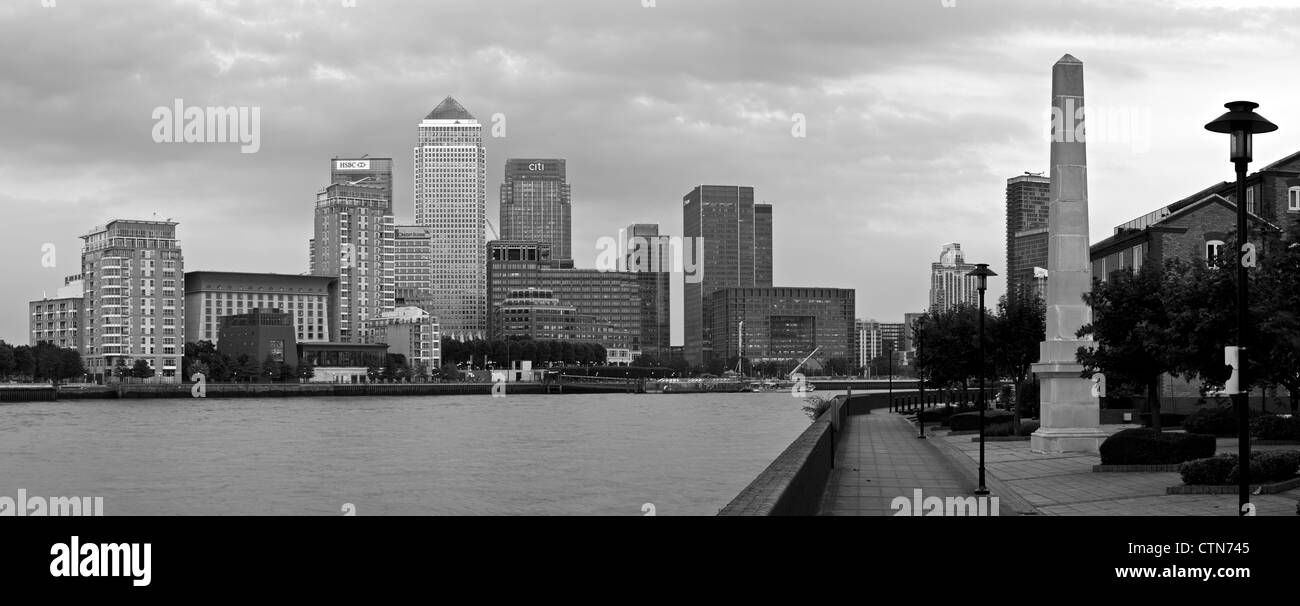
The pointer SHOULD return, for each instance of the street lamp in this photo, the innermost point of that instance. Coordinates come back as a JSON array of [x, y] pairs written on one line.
[[981, 273], [1240, 124], [920, 377], [890, 353]]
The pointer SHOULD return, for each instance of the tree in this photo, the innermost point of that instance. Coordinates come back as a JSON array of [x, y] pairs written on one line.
[[24, 361], [1276, 310], [1018, 330], [141, 369], [70, 366], [306, 370], [1131, 326], [948, 348], [270, 368], [7, 362]]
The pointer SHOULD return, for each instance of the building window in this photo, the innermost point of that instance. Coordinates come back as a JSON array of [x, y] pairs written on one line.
[[1293, 199], [1214, 252], [1250, 200]]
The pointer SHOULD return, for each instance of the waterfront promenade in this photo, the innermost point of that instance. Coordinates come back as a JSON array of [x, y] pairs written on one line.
[[878, 458]]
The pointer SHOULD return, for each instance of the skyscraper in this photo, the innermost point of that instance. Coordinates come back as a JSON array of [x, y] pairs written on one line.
[[371, 171], [355, 241], [650, 259], [535, 204], [736, 238], [1027, 198], [134, 307], [949, 284], [413, 274], [451, 199]]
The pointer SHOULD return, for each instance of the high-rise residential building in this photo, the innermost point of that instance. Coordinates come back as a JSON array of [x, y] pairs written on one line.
[[736, 243], [310, 302], [649, 257], [1027, 199], [57, 319], [609, 296], [535, 204], [354, 241], [370, 171], [134, 307], [782, 324], [410, 331], [876, 339], [451, 199], [413, 274], [949, 284]]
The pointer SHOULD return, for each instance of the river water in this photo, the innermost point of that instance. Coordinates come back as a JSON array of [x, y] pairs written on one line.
[[602, 454]]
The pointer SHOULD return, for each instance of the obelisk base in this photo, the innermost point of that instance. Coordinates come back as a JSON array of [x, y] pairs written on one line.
[[1070, 418]]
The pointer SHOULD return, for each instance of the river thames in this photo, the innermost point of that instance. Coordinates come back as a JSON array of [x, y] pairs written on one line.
[[600, 454]]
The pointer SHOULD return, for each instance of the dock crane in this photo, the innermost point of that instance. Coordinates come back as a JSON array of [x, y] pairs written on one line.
[[800, 365]]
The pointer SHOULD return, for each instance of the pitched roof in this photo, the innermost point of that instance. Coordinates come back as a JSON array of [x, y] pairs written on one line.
[[449, 109]]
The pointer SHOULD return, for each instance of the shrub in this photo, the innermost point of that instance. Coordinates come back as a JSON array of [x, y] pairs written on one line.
[[1141, 446], [1265, 467], [1211, 470], [1269, 466], [1214, 420], [941, 414], [1273, 427], [1028, 427], [967, 421], [1167, 419]]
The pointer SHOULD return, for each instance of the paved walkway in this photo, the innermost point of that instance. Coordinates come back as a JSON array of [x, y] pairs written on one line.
[[880, 458], [1064, 484]]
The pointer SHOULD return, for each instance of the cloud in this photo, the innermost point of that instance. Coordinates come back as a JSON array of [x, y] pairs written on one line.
[[916, 116]]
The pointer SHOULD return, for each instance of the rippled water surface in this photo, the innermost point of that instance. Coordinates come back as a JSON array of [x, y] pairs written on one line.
[[527, 454]]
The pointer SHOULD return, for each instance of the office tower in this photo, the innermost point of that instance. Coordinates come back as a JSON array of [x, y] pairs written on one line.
[[782, 324], [1027, 198], [763, 245], [412, 271], [451, 199], [949, 284], [355, 242], [537, 313], [371, 171], [609, 296], [57, 319], [133, 306], [310, 302], [649, 257], [736, 239], [535, 204]]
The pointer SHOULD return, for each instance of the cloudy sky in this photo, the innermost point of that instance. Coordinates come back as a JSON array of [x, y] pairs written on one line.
[[916, 114]]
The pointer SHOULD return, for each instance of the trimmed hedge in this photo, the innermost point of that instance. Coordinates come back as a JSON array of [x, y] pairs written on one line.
[[1167, 419], [1142, 446], [1028, 427], [1273, 427], [1265, 467], [967, 421], [1214, 420]]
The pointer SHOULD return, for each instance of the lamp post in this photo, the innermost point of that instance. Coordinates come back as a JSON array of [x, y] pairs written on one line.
[[920, 378], [981, 274], [1240, 123], [890, 353]]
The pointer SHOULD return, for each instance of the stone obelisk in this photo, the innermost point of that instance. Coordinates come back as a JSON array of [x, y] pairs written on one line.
[[1070, 415]]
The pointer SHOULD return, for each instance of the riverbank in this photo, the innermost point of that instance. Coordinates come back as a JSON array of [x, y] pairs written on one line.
[[36, 393]]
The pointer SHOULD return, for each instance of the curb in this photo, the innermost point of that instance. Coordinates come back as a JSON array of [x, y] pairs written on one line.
[[1136, 468], [959, 463], [1002, 439], [1274, 488]]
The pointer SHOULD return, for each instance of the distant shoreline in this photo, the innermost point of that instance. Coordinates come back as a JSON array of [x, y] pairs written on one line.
[[36, 393]]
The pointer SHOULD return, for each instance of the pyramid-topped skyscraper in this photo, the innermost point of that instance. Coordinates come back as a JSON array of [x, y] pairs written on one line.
[[451, 200]]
